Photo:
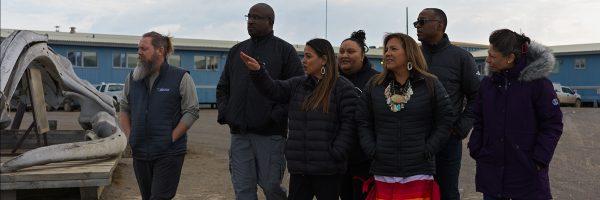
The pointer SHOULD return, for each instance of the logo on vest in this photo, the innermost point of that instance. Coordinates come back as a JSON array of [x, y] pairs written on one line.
[[164, 89]]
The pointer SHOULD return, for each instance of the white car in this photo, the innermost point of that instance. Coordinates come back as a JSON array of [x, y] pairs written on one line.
[[567, 95], [113, 90]]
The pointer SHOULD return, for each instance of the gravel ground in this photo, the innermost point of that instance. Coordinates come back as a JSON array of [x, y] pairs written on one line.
[[574, 171]]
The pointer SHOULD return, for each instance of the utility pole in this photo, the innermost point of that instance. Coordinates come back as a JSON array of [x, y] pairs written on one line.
[[407, 20], [325, 19]]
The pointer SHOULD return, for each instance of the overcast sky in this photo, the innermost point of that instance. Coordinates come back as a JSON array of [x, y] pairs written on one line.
[[551, 22]]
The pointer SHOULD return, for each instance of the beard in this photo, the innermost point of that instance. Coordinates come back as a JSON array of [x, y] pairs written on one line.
[[145, 68]]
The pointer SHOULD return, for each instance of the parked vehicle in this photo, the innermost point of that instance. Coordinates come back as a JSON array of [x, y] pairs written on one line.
[[113, 90], [567, 96]]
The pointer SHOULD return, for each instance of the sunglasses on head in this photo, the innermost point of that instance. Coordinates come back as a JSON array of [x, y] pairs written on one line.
[[421, 22]]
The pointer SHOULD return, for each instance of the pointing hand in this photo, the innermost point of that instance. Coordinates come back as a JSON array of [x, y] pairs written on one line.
[[250, 62]]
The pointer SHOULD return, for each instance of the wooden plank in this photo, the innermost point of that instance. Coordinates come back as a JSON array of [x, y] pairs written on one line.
[[38, 102], [54, 184], [71, 170]]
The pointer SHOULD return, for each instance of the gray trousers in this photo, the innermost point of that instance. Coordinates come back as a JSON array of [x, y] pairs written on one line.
[[257, 159]]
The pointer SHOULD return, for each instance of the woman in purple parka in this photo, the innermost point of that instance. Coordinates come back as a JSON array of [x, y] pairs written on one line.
[[518, 120]]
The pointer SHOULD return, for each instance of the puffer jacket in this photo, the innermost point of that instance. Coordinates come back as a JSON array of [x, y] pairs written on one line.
[[517, 126], [318, 142], [404, 143]]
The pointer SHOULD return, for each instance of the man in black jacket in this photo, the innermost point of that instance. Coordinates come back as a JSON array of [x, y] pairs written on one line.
[[456, 69], [258, 125]]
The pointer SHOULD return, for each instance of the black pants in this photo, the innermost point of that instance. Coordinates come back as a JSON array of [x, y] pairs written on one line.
[[447, 163], [305, 187], [158, 179], [352, 181]]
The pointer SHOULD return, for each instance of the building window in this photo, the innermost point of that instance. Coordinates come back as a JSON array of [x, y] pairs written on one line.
[[580, 63], [90, 59], [557, 65], [83, 58], [132, 60], [119, 60], [175, 60], [207, 62], [75, 58]]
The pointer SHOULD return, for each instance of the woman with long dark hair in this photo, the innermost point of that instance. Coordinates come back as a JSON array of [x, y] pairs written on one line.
[[321, 108], [403, 116]]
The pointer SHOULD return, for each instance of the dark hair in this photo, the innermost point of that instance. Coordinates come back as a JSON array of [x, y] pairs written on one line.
[[507, 41], [359, 37], [441, 15], [320, 96], [159, 40], [413, 54]]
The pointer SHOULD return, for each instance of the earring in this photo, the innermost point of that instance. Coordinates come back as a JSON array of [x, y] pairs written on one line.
[[323, 70], [409, 66]]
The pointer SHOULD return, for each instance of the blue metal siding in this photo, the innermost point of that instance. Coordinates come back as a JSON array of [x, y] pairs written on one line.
[[567, 75]]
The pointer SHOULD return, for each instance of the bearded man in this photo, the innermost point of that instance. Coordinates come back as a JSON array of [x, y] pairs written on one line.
[[159, 105]]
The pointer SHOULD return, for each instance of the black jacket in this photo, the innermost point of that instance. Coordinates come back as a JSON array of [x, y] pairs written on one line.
[[359, 79], [318, 142], [240, 105], [403, 143], [456, 69]]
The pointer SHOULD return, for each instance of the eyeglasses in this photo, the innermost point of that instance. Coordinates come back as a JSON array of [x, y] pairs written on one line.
[[254, 17], [421, 22]]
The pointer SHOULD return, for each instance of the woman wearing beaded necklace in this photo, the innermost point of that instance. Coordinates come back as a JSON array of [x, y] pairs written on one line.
[[403, 116]]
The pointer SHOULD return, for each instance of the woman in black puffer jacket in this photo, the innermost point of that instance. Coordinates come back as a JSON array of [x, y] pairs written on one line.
[[403, 117], [321, 108]]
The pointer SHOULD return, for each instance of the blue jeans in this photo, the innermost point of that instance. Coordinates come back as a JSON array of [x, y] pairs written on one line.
[[447, 163], [257, 159]]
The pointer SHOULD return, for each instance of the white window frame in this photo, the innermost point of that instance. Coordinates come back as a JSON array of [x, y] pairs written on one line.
[[207, 62], [127, 60], [81, 59], [122, 60], [580, 63]]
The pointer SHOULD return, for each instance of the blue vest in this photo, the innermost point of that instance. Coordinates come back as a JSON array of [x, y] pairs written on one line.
[[155, 114]]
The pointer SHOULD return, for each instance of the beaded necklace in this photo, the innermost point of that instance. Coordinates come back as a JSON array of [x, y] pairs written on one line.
[[397, 96]]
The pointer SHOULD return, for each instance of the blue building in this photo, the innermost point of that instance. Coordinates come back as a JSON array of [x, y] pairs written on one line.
[[109, 58], [577, 66]]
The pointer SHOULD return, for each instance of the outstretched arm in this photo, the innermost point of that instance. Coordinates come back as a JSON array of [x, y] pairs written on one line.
[[276, 90]]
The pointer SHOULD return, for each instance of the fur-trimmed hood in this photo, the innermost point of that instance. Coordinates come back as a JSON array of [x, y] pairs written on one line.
[[540, 62]]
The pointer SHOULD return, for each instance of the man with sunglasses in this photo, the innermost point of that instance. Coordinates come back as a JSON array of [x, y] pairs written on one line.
[[257, 125], [456, 69]]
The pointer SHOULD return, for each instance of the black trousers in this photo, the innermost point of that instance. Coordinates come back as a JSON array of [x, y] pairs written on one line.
[[352, 181], [447, 163], [305, 187], [158, 179]]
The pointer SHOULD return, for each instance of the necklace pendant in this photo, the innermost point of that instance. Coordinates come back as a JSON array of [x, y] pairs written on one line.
[[397, 98]]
